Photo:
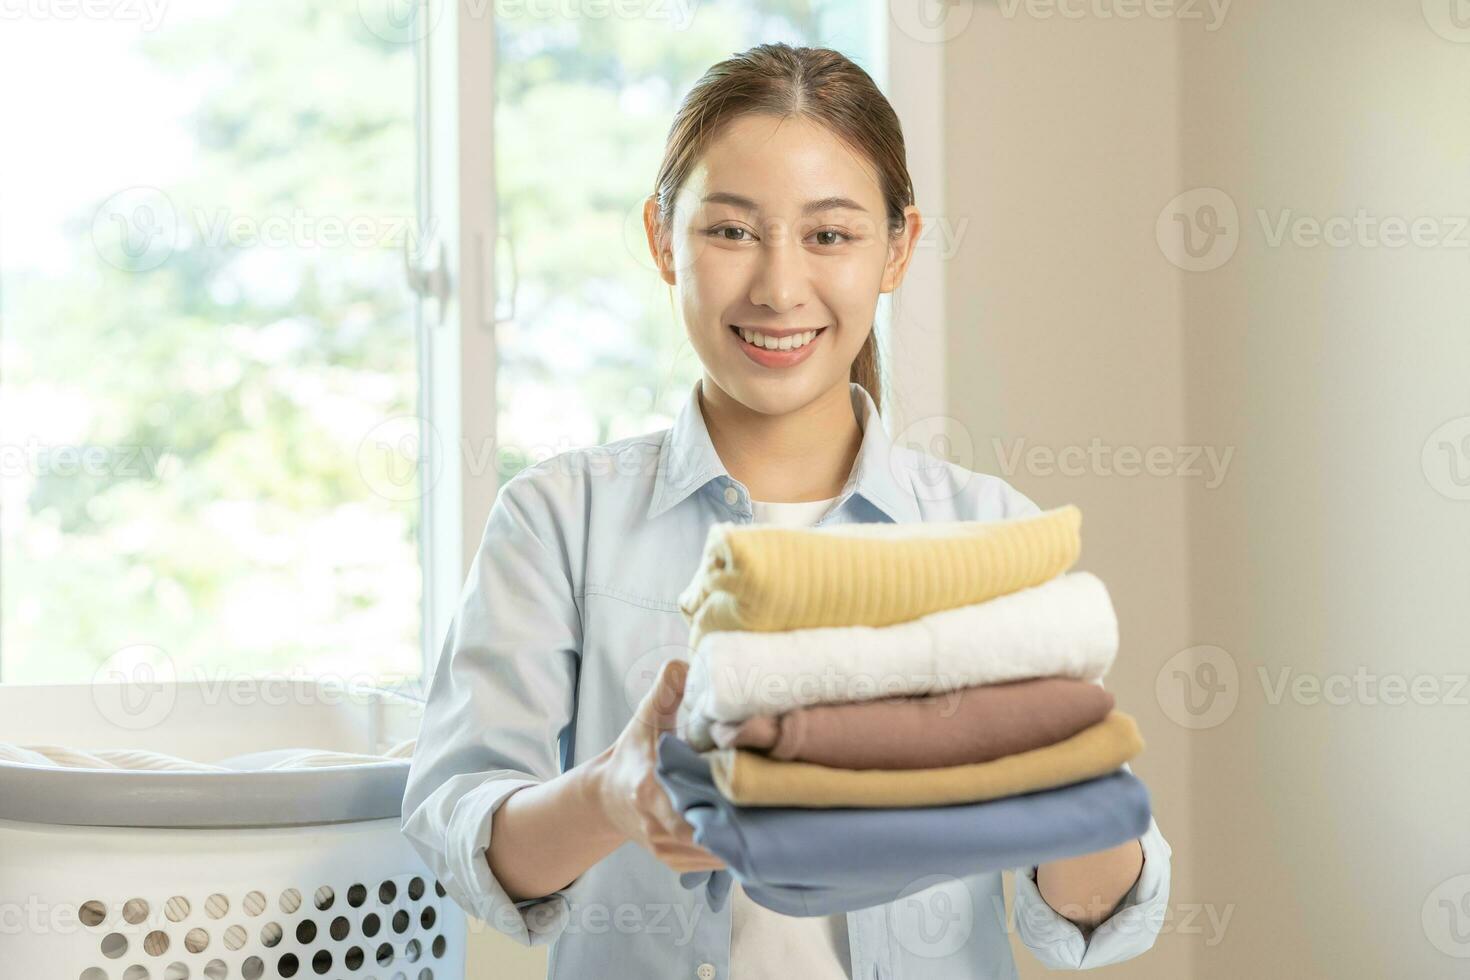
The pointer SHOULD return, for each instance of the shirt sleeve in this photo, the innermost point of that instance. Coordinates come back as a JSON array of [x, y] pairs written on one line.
[[501, 699], [1058, 943]]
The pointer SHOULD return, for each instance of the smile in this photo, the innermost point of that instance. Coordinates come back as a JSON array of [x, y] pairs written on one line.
[[768, 342]]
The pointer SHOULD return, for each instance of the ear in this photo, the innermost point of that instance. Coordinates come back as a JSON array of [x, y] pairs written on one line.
[[901, 249], [658, 238]]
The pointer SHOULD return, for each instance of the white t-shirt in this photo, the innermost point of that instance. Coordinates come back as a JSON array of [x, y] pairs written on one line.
[[767, 944]]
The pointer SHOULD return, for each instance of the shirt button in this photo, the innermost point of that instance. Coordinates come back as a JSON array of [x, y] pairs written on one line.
[[731, 495], [706, 971]]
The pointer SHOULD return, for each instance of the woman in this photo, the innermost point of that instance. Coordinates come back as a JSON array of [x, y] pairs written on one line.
[[782, 210]]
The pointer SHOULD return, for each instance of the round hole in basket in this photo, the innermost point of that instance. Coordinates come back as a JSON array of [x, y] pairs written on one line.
[[387, 892], [177, 908], [136, 972], [217, 906], [92, 913], [114, 945], [352, 959], [438, 947], [427, 917], [235, 937], [340, 928], [384, 954], [215, 970], [305, 931], [254, 903], [322, 961], [135, 910], [356, 895], [94, 973], [155, 943], [271, 934], [253, 968], [416, 888], [290, 900], [412, 950], [287, 965], [176, 971], [196, 940], [325, 897], [371, 924]]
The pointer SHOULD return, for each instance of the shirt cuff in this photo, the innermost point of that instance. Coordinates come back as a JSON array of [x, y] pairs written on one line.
[[1058, 943], [531, 921]]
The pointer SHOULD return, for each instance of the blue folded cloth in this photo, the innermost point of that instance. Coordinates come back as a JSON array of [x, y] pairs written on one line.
[[805, 861]]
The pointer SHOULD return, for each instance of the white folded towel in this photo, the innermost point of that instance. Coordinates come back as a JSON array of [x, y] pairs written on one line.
[[1064, 627]]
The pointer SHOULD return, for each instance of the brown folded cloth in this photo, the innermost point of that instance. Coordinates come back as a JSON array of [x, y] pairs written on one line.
[[971, 724], [748, 778]]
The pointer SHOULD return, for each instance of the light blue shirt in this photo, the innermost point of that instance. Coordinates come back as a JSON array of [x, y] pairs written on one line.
[[570, 607]]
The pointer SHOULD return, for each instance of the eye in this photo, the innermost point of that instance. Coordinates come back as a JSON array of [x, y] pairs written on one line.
[[721, 233], [837, 237]]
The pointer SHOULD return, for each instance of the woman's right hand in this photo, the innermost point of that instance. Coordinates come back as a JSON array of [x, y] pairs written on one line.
[[629, 792]]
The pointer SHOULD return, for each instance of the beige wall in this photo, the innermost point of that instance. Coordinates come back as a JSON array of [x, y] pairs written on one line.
[[1064, 327], [1330, 548], [1329, 834]]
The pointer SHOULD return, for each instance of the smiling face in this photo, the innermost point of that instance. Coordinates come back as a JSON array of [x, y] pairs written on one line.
[[779, 248]]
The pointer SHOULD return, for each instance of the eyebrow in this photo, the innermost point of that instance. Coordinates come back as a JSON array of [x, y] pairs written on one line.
[[810, 207]]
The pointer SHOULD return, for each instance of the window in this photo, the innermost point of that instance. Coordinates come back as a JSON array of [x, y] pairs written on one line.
[[205, 337]]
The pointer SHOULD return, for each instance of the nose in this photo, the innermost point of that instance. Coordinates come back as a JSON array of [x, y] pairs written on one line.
[[780, 282]]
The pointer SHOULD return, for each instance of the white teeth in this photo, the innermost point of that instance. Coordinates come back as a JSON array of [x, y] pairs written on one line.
[[790, 342]]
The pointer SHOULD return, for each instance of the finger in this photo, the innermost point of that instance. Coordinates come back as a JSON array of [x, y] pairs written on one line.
[[687, 868], [665, 849], [691, 863], [660, 706]]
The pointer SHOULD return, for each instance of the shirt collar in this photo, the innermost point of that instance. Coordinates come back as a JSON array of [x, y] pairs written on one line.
[[688, 461]]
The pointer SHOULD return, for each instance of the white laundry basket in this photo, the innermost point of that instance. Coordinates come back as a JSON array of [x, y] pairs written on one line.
[[169, 875]]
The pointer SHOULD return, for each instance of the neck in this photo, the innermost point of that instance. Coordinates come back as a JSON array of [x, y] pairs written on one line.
[[806, 454]]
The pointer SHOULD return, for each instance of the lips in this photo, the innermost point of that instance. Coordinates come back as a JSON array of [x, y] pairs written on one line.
[[767, 358], [736, 329]]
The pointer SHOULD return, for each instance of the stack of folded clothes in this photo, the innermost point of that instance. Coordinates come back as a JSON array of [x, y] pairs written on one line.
[[868, 704]]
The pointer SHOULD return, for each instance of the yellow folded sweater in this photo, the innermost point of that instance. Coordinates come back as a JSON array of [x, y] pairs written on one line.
[[766, 577], [753, 779]]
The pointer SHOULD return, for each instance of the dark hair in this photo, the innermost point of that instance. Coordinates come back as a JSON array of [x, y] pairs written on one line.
[[816, 83]]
